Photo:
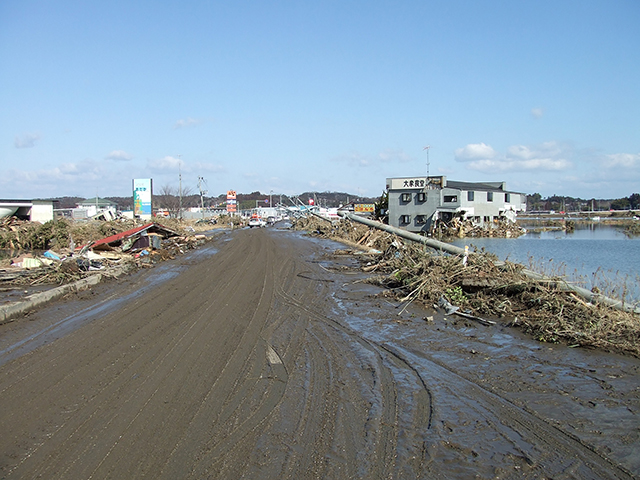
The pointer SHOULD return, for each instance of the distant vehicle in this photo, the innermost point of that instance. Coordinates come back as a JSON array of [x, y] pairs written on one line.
[[256, 221]]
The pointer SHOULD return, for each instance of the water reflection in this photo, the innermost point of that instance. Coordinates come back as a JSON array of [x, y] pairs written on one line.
[[592, 255]]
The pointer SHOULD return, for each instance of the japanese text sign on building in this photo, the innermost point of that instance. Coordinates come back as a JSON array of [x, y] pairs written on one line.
[[364, 207], [414, 182], [407, 182]]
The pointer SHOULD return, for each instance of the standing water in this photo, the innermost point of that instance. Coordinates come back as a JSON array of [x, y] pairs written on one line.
[[591, 256]]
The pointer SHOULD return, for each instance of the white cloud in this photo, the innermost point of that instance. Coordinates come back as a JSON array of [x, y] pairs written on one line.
[[208, 167], [394, 156], [537, 112], [75, 176], [187, 122], [549, 156], [353, 158], [474, 151], [386, 156], [624, 160], [547, 150], [119, 155], [28, 140], [69, 169], [165, 164]]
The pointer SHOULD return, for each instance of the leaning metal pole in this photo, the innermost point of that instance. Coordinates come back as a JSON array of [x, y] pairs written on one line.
[[414, 237], [445, 247]]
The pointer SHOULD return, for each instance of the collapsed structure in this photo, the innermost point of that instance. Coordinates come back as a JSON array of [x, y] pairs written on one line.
[[32, 210], [416, 204]]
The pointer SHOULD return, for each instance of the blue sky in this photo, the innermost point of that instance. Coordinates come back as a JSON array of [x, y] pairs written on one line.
[[288, 96]]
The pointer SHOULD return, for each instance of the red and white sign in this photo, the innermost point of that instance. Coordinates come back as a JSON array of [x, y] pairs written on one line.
[[231, 201]]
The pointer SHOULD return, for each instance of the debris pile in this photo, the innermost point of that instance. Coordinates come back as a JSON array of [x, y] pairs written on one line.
[[632, 230], [459, 228], [63, 251], [482, 290], [352, 234]]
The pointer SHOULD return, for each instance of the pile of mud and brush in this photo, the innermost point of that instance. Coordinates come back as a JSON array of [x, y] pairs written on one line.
[[63, 251], [479, 288], [460, 228]]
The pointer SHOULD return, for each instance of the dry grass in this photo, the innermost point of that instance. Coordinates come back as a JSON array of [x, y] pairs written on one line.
[[412, 272]]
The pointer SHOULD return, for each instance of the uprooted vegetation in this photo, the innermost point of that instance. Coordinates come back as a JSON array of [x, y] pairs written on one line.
[[411, 272]]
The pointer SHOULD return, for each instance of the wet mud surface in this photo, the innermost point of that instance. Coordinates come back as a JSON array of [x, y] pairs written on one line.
[[264, 355]]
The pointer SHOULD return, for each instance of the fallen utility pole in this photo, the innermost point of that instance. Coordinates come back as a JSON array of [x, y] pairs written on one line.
[[414, 237], [445, 247]]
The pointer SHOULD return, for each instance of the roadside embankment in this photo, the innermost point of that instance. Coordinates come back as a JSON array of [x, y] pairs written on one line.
[[13, 310], [478, 285]]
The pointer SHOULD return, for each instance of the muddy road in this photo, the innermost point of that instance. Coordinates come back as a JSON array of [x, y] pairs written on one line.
[[263, 355]]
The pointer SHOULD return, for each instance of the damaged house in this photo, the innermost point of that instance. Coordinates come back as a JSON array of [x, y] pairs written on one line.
[[416, 204], [145, 236]]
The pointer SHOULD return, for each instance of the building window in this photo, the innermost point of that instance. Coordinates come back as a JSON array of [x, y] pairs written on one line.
[[421, 219], [489, 196], [507, 197], [450, 198], [405, 219], [422, 197], [405, 197], [470, 196]]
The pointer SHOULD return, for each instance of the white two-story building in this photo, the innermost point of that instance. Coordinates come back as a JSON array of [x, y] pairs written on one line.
[[416, 203]]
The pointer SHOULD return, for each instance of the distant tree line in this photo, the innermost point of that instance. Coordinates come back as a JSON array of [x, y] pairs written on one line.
[[535, 202]]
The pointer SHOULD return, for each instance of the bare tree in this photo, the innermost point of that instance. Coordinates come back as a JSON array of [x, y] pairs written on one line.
[[167, 199]]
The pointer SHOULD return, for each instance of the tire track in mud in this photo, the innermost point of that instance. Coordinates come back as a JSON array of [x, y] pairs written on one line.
[[538, 447], [258, 381], [551, 451], [135, 308], [381, 428], [117, 383], [100, 414]]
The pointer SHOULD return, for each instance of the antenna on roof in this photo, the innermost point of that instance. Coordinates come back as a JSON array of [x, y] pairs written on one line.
[[427, 149]]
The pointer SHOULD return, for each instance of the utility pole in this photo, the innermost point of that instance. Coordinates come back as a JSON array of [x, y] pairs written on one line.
[[180, 186], [202, 194]]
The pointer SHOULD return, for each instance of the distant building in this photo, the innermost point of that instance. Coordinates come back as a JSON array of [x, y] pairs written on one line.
[[417, 203], [94, 208], [33, 210]]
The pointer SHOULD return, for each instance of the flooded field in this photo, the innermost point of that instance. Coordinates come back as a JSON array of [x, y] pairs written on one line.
[[591, 255]]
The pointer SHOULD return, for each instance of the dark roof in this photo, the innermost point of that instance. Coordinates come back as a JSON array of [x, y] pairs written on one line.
[[492, 186]]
